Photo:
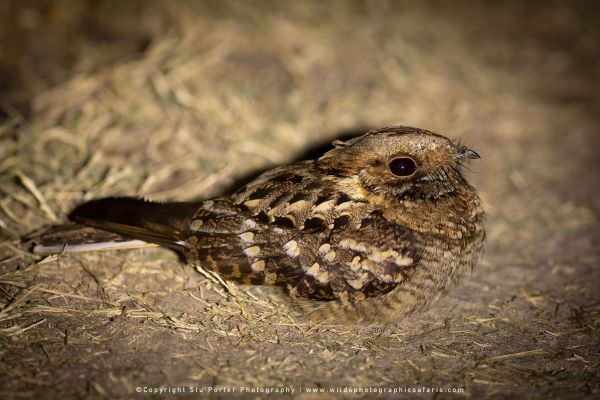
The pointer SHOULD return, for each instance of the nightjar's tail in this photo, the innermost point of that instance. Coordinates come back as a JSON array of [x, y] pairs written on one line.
[[118, 222]]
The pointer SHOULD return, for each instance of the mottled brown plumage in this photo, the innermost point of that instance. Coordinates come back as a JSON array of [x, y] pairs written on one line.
[[378, 227]]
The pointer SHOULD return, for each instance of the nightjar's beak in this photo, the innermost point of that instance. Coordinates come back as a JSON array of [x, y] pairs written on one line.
[[465, 152]]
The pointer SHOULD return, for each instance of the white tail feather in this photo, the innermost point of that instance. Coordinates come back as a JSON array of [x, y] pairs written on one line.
[[79, 248]]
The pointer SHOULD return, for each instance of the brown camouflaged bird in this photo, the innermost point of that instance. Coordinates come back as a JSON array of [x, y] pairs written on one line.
[[375, 229]]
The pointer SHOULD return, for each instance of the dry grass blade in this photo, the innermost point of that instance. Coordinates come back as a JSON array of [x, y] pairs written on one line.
[[57, 292], [216, 278], [30, 185], [19, 331], [17, 301], [520, 354]]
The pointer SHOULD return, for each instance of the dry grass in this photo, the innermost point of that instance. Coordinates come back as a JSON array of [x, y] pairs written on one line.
[[238, 87]]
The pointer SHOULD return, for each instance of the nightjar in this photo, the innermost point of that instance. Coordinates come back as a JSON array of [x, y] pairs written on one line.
[[375, 229]]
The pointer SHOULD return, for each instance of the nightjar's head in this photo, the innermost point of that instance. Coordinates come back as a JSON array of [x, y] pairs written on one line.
[[401, 162]]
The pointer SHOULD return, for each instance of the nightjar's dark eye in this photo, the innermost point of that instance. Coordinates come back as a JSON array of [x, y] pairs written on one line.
[[403, 166]]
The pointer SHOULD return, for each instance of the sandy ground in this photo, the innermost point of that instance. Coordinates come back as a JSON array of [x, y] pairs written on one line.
[[181, 101]]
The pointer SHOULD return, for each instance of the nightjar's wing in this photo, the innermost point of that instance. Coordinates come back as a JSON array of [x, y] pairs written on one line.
[[292, 227]]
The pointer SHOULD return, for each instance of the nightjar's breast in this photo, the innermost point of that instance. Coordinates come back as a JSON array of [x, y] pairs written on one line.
[[447, 245]]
